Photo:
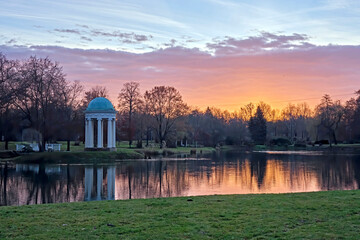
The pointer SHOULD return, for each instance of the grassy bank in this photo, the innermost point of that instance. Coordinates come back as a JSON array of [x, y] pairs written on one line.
[[78, 155], [321, 215], [346, 148]]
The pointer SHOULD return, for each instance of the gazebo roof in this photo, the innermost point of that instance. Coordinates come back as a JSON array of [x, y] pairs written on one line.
[[100, 104]]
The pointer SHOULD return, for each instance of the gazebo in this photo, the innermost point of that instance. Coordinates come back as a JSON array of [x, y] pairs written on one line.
[[99, 112]]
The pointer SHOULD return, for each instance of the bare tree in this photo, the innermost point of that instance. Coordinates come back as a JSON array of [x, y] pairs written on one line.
[[9, 73], [247, 111], [8, 76], [166, 105], [94, 92], [72, 115], [129, 103], [330, 115], [42, 81]]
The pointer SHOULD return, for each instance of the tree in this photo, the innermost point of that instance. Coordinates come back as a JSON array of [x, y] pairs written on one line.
[[9, 73], [71, 112], [257, 127], [165, 104], [330, 115], [129, 103], [247, 112], [94, 92], [42, 82]]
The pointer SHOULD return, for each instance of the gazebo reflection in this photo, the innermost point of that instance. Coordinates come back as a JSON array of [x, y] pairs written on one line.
[[98, 188]]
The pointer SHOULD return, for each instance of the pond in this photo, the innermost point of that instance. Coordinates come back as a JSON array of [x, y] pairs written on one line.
[[230, 173]]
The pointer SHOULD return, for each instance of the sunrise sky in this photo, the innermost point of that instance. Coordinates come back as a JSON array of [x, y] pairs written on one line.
[[221, 53]]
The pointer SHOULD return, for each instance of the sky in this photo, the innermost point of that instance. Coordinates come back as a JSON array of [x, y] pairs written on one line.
[[220, 53]]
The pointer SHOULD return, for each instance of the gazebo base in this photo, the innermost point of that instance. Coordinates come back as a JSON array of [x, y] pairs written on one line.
[[101, 149]]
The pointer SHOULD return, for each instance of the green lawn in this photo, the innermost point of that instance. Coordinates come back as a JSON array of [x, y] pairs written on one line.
[[320, 215]]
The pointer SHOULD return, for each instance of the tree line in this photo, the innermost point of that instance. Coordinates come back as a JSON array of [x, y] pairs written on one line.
[[38, 103]]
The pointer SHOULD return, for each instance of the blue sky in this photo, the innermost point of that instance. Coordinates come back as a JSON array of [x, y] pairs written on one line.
[[221, 53], [158, 23]]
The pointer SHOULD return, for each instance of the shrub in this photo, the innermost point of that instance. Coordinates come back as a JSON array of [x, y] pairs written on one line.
[[280, 142], [322, 142]]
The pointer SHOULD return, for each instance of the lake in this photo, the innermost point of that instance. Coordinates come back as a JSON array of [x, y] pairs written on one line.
[[226, 173]]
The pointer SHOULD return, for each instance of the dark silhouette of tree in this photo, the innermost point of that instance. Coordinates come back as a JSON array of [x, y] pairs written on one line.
[[71, 112], [330, 114], [9, 74], [130, 103], [165, 104], [94, 92], [9, 86], [257, 127], [42, 96]]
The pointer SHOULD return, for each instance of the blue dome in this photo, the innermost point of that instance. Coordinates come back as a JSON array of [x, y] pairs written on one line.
[[100, 104]]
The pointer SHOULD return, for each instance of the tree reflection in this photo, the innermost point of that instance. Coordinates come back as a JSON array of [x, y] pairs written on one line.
[[222, 174]]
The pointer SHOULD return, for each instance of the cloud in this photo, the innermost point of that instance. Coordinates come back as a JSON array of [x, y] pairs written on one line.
[[225, 80], [258, 44], [72, 31], [11, 41], [124, 37], [82, 25], [171, 43], [86, 39]]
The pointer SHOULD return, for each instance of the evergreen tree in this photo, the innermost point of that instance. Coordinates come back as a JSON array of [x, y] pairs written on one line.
[[257, 127]]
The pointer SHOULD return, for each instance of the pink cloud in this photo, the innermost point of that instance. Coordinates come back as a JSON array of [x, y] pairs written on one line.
[[225, 79]]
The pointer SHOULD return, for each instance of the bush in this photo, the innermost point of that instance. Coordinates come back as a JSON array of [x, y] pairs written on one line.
[[321, 142], [280, 142], [229, 140], [300, 145]]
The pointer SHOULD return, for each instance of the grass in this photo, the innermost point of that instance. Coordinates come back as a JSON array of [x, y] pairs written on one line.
[[317, 215]]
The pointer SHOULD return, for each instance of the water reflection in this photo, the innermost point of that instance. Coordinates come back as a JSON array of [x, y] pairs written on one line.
[[95, 186], [223, 174]]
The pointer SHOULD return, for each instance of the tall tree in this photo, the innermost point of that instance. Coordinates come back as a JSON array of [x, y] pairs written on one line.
[[330, 114], [129, 103], [9, 74], [257, 127], [72, 114], [42, 81], [94, 92], [165, 104]]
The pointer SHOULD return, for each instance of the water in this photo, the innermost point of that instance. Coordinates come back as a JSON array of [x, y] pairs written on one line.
[[272, 172]]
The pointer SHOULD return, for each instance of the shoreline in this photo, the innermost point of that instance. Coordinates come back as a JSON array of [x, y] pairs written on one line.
[[149, 153]]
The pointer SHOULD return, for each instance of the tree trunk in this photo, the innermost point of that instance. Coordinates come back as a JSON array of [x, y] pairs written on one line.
[[6, 145], [68, 146], [334, 136], [147, 136]]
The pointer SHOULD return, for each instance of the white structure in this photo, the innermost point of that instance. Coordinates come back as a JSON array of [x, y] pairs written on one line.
[[99, 113], [50, 147]]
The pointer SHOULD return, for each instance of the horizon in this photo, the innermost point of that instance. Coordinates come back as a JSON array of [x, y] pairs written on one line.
[[217, 53]]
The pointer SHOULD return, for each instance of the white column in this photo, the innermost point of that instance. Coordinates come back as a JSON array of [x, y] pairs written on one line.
[[86, 133], [91, 133], [109, 134], [100, 136], [114, 132]]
